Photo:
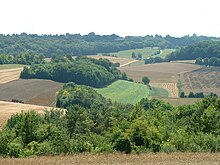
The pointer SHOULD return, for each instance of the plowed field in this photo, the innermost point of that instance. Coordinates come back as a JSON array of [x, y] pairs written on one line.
[[206, 79], [37, 92], [159, 73]]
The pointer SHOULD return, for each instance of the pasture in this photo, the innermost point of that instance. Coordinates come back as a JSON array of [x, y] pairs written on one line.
[[206, 79], [129, 92], [37, 92], [7, 109], [120, 159], [146, 52]]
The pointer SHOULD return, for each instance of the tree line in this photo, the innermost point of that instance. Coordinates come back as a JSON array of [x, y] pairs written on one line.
[[25, 58], [92, 123], [213, 61], [76, 44], [205, 49], [82, 70]]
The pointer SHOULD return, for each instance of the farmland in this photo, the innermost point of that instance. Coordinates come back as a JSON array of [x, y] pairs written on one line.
[[206, 79], [7, 75], [125, 92], [120, 159], [160, 72], [39, 92], [7, 109], [146, 52], [119, 60], [129, 92]]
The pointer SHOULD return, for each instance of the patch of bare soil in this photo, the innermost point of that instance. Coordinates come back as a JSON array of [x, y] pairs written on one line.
[[33, 91]]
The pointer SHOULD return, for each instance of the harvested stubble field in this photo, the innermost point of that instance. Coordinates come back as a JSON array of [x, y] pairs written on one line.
[[7, 75], [206, 79], [170, 87], [160, 72], [37, 92], [120, 159], [7, 109]]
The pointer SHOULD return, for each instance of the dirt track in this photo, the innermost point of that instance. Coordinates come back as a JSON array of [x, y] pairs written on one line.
[[7, 75]]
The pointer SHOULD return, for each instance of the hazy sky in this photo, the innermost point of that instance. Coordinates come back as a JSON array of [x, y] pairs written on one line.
[[122, 17]]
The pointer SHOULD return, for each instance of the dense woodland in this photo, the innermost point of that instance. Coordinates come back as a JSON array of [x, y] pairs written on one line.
[[93, 124], [206, 49], [76, 44], [213, 61], [82, 70]]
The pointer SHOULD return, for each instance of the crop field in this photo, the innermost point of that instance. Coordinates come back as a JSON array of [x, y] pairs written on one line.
[[7, 109], [7, 75], [39, 92], [160, 72], [171, 87], [129, 92], [11, 66], [206, 79], [121, 61], [120, 159], [125, 91]]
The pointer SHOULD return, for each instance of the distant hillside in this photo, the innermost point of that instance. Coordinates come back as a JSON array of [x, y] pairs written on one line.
[[202, 49], [76, 44]]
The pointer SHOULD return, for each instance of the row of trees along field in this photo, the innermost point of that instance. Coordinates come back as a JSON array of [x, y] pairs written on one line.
[[76, 44], [206, 49], [82, 70], [91, 123], [213, 61], [26, 58]]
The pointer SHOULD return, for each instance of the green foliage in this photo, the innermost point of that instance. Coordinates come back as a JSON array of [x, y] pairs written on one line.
[[145, 80], [198, 51], [26, 58], [103, 126], [91, 72]]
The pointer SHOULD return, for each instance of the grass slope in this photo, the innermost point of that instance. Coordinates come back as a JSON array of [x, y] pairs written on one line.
[[146, 52], [129, 92]]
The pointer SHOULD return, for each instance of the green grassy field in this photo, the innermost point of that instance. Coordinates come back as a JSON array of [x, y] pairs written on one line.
[[129, 92], [10, 66], [156, 91], [146, 52], [165, 52]]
